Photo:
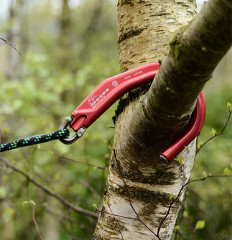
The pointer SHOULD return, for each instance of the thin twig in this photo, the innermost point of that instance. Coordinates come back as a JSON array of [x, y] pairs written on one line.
[[128, 194], [89, 187], [177, 232], [66, 218], [116, 221], [32, 204], [116, 215], [181, 189], [216, 134], [70, 159], [49, 192], [35, 222], [10, 44]]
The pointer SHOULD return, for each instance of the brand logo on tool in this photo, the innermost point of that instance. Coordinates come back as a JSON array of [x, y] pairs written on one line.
[[97, 98], [115, 83]]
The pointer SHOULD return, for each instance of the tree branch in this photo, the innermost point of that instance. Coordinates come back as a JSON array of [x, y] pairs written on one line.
[[216, 134], [195, 50], [49, 192], [10, 44], [33, 205], [64, 218], [182, 188], [70, 159]]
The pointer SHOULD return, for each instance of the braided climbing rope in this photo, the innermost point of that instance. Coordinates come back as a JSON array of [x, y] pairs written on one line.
[[23, 142]]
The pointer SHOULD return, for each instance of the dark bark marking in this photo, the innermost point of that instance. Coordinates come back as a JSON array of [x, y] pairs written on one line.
[[159, 14], [143, 195], [127, 98], [127, 2], [129, 34], [160, 177]]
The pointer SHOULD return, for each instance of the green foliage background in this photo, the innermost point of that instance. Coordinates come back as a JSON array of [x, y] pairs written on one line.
[[57, 70]]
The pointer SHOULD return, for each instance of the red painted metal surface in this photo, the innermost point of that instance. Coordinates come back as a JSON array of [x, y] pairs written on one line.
[[196, 123], [110, 90]]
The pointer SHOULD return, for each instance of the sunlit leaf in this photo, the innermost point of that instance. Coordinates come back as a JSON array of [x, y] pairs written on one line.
[[106, 201], [213, 132], [180, 159], [200, 224], [204, 174], [177, 227], [94, 205], [227, 171], [199, 145], [229, 106], [185, 213]]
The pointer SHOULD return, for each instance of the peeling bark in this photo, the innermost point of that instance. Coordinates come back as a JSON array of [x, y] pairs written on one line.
[[139, 186]]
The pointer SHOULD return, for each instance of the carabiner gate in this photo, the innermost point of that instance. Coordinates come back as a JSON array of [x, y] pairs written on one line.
[[77, 135]]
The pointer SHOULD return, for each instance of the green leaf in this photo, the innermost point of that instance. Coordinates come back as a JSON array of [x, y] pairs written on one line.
[[185, 214], [180, 159], [177, 227], [31, 202], [229, 106], [204, 174], [95, 206], [171, 196], [200, 144], [25, 203], [200, 224], [106, 201], [213, 132], [227, 171]]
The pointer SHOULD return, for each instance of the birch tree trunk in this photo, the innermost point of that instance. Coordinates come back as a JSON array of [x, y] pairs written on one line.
[[139, 186], [51, 224], [65, 57], [14, 36]]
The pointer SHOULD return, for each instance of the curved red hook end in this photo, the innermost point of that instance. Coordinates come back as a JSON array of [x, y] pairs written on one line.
[[196, 124]]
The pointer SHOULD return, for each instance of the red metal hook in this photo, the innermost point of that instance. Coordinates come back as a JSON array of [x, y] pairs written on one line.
[[196, 124], [110, 90]]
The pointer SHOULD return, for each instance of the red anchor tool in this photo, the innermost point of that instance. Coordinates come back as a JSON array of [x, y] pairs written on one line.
[[111, 89]]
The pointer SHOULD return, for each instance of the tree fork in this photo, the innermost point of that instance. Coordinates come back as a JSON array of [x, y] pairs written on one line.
[[154, 119]]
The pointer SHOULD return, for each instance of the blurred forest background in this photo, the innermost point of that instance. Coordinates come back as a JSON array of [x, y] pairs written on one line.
[[67, 47]]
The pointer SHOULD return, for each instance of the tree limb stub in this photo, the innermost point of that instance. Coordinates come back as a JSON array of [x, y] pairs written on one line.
[[195, 50]]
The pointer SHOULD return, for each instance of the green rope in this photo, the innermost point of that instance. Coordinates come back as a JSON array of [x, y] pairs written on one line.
[[23, 142]]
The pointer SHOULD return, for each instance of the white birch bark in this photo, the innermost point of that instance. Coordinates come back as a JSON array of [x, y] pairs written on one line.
[[143, 186]]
